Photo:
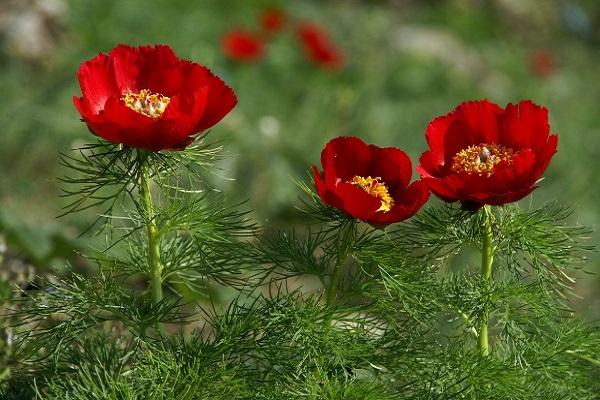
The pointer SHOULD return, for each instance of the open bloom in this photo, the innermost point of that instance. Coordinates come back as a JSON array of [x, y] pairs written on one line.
[[242, 46], [319, 48], [273, 20], [146, 97], [483, 154], [368, 182]]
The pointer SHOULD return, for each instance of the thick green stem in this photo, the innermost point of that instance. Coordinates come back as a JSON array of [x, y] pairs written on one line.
[[153, 237], [487, 259]]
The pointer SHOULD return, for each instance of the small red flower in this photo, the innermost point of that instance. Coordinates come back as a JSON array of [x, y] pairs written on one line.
[[146, 97], [319, 48], [242, 46], [483, 154], [368, 182], [273, 20], [542, 63]]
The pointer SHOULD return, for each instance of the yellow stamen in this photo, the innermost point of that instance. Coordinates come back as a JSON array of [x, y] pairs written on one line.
[[375, 188], [145, 102], [481, 160]]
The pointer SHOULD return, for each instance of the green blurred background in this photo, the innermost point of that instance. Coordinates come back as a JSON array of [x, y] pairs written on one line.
[[406, 62]]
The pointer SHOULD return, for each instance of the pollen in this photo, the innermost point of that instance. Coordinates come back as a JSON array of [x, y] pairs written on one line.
[[145, 102], [375, 188], [481, 160]]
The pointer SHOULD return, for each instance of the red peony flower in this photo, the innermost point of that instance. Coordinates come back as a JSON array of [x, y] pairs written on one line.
[[483, 154], [146, 97], [273, 20], [368, 182], [319, 47], [242, 46]]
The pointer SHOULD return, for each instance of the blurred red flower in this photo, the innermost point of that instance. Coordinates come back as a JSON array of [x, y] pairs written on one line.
[[368, 182], [242, 45], [483, 154], [542, 63], [273, 20], [147, 97], [318, 46]]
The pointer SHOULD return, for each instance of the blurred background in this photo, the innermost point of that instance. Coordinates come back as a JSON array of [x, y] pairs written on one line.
[[398, 64]]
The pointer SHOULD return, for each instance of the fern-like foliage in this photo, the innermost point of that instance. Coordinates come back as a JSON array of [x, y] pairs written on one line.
[[335, 309]]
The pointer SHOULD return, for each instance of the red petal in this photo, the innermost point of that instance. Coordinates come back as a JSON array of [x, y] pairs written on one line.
[[96, 82], [83, 106], [429, 165], [186, 110], [475, 122], [119, 124], [406, 205], [345, 157], [509, 197], [356, 201], [126, 64], [180, 118], [481, 119], [524, 125], [506, 178], [444, 188], [392, 165], [319, 184], [435, 134], [328, 196], [162, 72], [545, 156], [158, 69], [221, 100], [488, 190]]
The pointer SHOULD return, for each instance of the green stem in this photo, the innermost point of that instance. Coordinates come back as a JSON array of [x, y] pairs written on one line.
[[487, 260], [341, 265], [334, 283], [331, 289], [471, 329], [153, 237]]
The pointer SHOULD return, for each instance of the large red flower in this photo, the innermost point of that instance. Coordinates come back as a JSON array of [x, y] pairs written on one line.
[[319, 48], [146, 97], [242, 45], [483, 154], [368, 182]]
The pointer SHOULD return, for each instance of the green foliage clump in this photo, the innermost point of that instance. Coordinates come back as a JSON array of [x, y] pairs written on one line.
[[336, 310]]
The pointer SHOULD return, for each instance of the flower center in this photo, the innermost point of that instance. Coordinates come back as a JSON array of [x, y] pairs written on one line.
[[145, 102], [481, 160], [375, 188]]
